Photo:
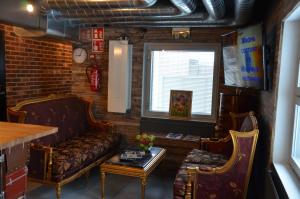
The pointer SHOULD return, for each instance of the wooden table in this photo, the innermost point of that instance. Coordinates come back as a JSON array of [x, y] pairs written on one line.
[[115, 166], [13, 134]]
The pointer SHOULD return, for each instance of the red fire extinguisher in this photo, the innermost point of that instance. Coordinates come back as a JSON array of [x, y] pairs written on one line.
[[93, 75]]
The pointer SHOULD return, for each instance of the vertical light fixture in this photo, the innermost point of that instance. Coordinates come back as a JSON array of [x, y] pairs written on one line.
[[119, 76]]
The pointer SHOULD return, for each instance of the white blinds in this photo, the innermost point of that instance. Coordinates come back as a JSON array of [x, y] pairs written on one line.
[[182, 70]]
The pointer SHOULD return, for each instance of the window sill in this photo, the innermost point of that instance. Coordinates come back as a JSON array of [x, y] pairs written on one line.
[[188, 119], [203, 129], [289, 179]]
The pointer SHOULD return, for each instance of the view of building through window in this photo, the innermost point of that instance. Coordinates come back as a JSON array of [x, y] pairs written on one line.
[[182, 70]]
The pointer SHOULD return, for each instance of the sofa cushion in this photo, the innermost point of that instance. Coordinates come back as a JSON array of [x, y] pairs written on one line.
[[202, 157], [196, 158], [76, 153]]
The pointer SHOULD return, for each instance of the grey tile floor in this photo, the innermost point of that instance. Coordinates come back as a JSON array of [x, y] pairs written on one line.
[[159, 186]]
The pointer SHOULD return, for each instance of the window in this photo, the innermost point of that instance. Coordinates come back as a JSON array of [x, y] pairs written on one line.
[[286, 144], [192, 67], [295, 153]]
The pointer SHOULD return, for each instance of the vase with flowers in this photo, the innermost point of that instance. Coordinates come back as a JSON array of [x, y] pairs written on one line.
[[145, 141]]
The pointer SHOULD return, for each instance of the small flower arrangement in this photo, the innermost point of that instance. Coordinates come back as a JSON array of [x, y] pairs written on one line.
[[145, 141]]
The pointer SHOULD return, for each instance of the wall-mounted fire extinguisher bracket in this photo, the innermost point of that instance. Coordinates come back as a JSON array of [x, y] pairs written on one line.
[[93, 74]]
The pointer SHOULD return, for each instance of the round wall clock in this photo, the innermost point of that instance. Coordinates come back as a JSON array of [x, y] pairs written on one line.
[[79, 55]]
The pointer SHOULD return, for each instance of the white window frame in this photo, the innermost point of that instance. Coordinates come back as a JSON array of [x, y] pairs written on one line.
[[149, 47], [288, 59], [294, 165]]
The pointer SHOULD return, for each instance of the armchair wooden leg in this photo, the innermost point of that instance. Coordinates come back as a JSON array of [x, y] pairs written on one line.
[[58, 191]]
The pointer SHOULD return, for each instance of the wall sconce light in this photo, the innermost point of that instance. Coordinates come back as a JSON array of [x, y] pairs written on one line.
[[30, 6], [181, 33]]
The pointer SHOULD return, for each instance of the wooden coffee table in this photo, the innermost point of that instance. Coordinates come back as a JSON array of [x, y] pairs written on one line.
[[140, 169]]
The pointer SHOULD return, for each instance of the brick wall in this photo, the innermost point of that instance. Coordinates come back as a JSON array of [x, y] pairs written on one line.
[[35, 67], [138, 37]]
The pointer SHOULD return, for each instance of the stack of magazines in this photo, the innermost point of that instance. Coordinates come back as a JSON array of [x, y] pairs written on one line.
[[179, 136], [194, 138], [176, 136]]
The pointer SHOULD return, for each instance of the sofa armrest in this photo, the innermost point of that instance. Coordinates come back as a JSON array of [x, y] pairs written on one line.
[[217, 145], [94, 124], [104, 126], [16, 116], [40, 163]]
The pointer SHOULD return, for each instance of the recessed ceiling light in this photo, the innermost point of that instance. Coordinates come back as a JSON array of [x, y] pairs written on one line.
[[29, 7]]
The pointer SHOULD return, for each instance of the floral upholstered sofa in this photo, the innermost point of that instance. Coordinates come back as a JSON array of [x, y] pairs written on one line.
[[80, 144]]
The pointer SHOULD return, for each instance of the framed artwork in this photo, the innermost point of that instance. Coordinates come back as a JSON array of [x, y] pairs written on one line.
[[180, 104]]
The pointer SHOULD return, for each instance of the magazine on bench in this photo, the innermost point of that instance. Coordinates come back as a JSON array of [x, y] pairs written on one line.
[[194, 138], [176, 136]]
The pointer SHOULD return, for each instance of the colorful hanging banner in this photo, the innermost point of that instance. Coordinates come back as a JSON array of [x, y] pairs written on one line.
[[243, 58]]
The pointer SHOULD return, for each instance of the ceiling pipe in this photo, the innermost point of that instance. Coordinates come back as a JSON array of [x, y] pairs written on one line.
[[177, 22], [130, 19], [131, 13], [99, 4], [179, 8], [156, 11], [243, 10], [185, 6], [215, 8], [173, 23]]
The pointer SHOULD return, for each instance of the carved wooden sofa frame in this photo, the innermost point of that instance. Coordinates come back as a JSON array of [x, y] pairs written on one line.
[[48, 151]]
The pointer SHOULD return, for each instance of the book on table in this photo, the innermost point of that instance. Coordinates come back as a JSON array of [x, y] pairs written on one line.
[[132, 155]]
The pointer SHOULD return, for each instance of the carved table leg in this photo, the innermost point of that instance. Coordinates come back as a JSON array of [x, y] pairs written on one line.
[[143, 186], [102, 184]]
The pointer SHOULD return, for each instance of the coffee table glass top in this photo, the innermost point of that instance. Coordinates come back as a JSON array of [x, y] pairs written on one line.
[[139, 163]]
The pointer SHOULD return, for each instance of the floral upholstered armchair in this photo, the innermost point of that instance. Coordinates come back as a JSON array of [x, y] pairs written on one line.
[[227, 181], [214, 153]]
